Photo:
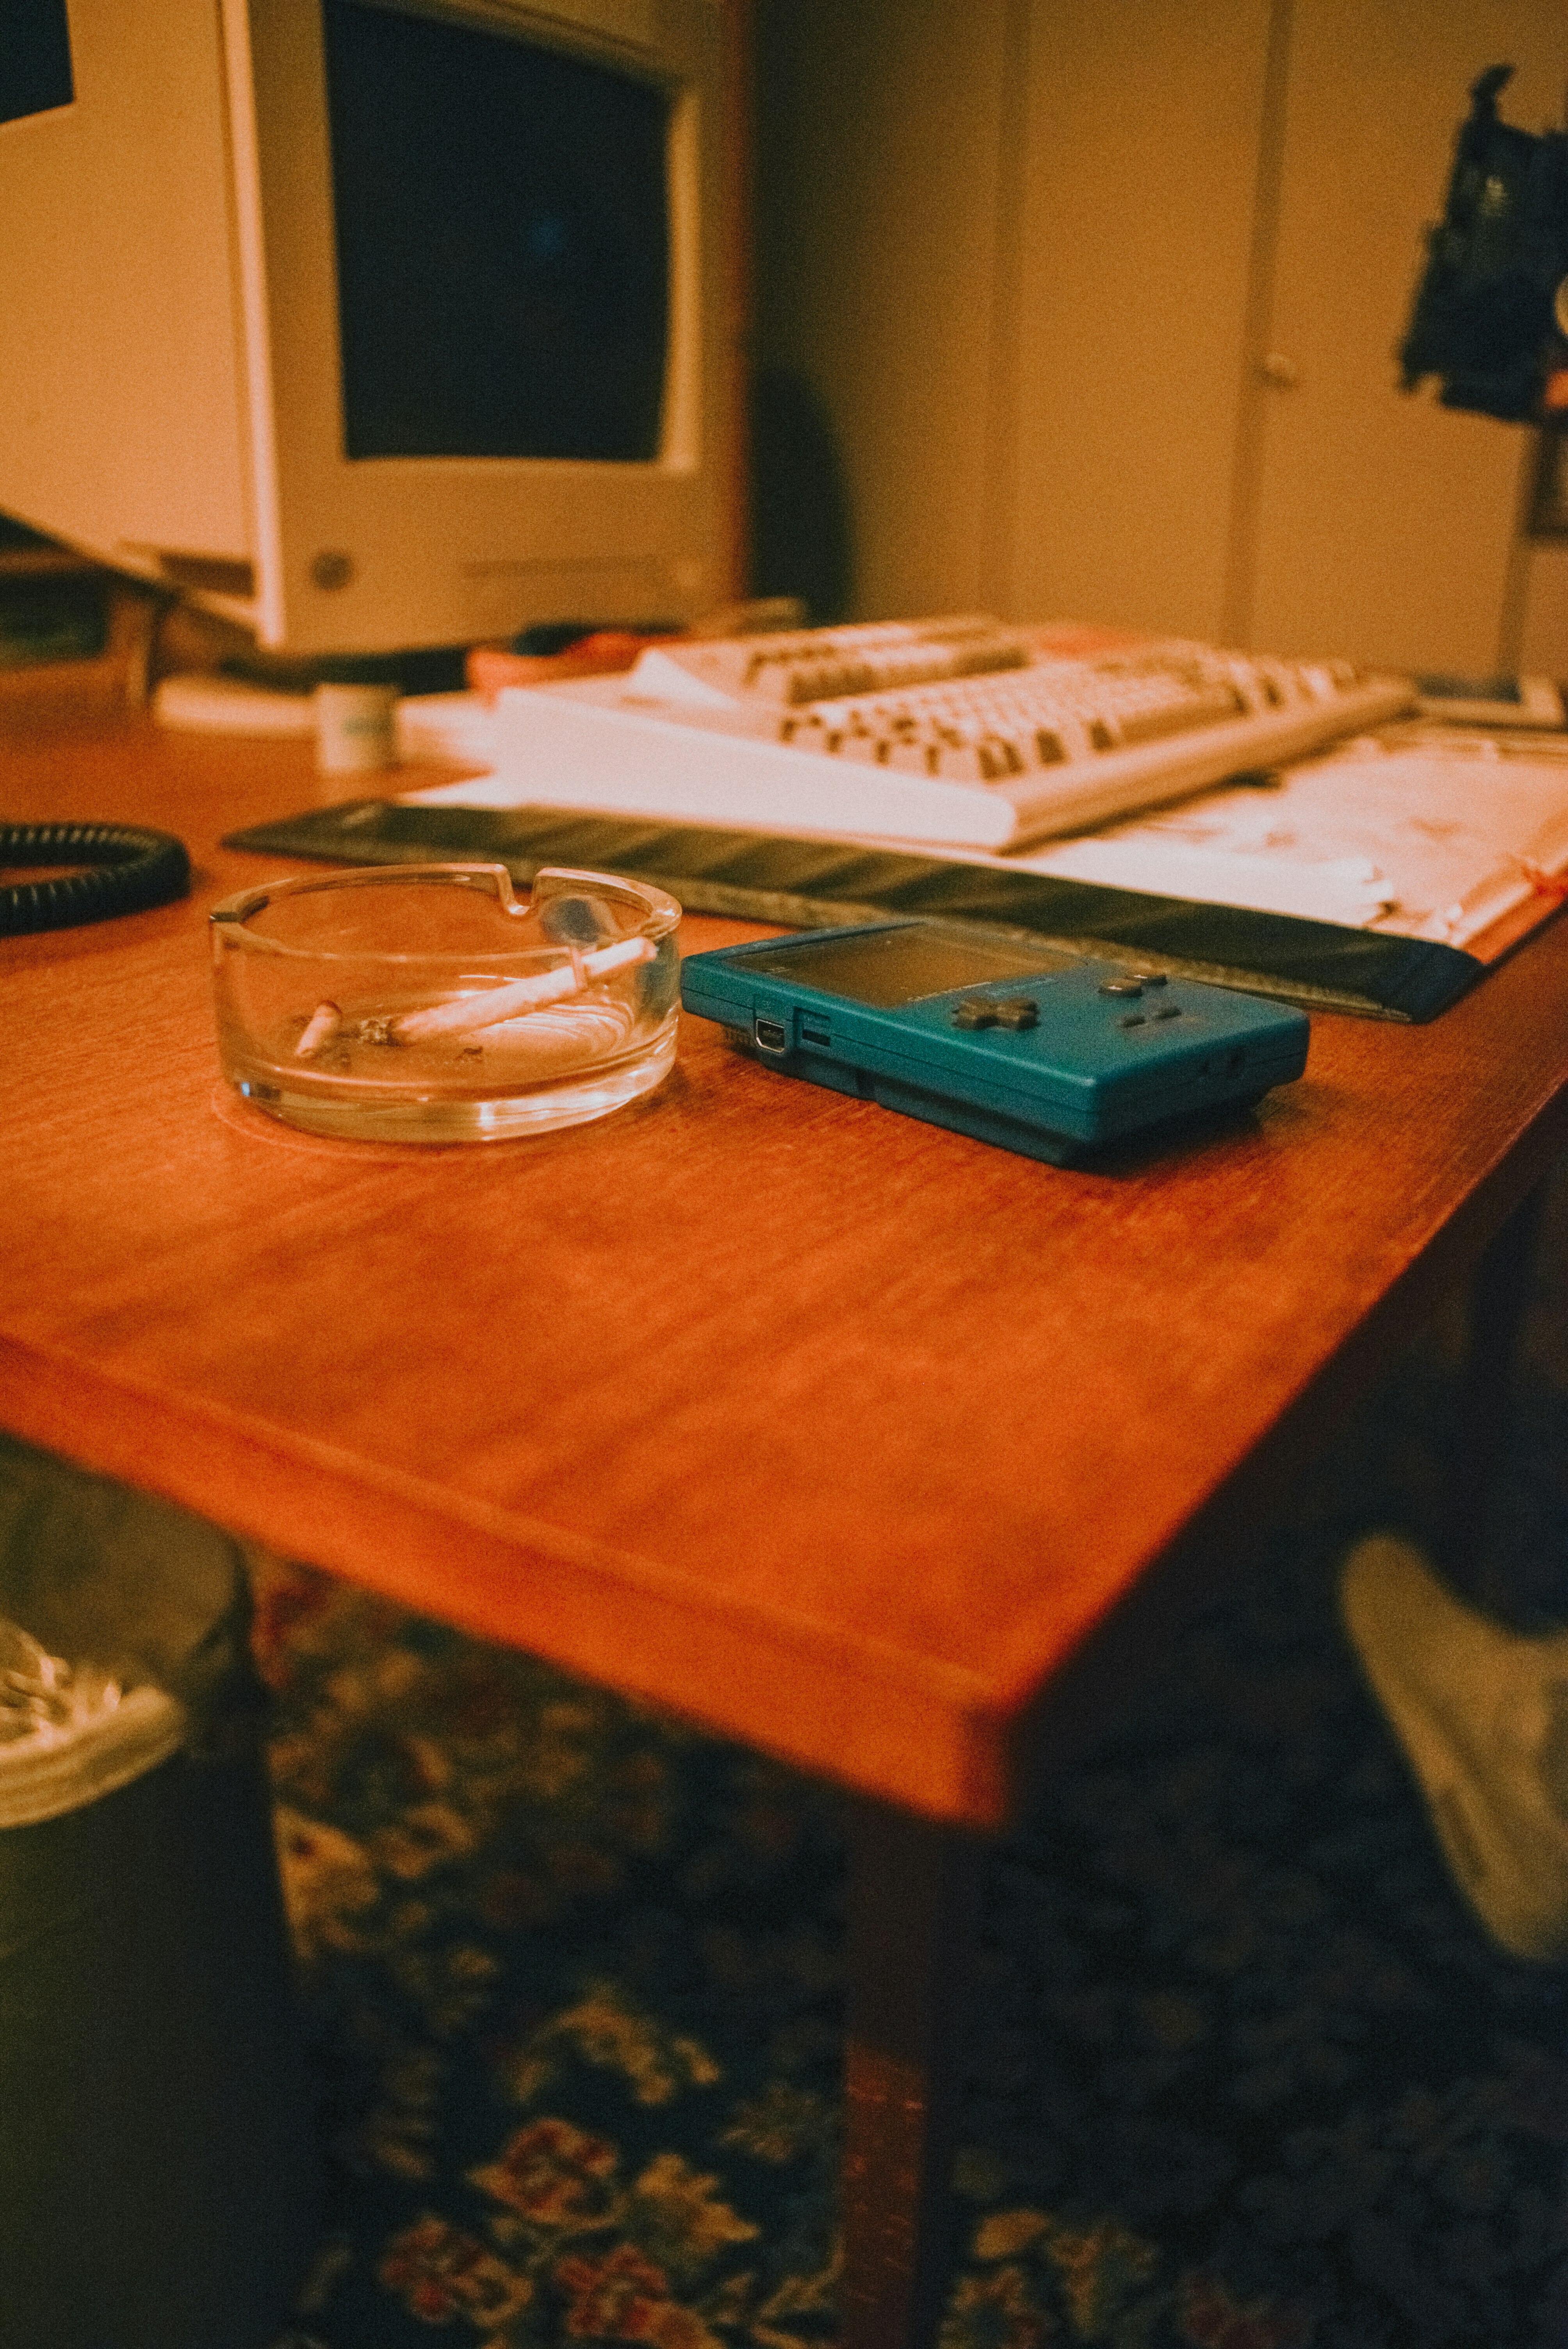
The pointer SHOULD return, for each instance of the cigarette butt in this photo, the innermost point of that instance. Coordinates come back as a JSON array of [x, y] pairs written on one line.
[[319, 1028]]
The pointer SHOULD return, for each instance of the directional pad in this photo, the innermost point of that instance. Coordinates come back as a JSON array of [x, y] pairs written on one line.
[[974, 1011], [1015, 1011]]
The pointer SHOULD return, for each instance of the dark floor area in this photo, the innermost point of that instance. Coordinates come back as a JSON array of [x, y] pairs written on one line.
[[1245, 2073]]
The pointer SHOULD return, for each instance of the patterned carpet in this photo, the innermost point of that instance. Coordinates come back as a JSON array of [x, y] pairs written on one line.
[[1245, 2075]]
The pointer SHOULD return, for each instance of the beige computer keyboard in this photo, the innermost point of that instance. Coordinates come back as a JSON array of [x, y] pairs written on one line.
[[957, 732]]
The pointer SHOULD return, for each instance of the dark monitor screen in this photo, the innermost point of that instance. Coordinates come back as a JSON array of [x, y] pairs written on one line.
[[34, 58], [503, 244], [885, 967]]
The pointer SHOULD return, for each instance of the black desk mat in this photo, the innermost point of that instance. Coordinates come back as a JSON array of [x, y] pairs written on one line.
[[818, 884]]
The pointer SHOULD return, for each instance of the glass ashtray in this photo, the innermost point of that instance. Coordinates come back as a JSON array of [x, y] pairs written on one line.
[[430, 1003]]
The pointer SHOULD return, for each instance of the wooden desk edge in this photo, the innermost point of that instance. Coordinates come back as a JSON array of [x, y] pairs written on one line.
[[899, 1728]]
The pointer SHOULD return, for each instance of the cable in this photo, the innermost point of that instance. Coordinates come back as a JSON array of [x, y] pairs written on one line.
[[131, 869]]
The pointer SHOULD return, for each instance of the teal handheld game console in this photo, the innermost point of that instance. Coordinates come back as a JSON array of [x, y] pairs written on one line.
[[1038, 1051]]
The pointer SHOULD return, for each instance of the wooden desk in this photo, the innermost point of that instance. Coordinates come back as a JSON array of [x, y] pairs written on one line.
[[831, 1431]]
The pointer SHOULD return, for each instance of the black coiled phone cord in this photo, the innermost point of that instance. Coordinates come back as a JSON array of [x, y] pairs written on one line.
[[129, 870]]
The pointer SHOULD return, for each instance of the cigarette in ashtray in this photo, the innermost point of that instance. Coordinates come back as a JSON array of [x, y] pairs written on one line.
[[319, 1028], [467, 1011]]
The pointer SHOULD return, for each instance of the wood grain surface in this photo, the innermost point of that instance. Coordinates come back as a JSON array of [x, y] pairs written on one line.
[[831, 1431]]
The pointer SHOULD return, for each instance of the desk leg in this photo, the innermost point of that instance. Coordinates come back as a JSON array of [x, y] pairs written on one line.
[[913, 1891], [1499, 1295]]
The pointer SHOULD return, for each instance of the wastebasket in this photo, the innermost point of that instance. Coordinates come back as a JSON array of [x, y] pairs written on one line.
[[158, 2183]]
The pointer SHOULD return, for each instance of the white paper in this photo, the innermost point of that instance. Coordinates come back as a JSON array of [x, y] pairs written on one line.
[[1421, 833]]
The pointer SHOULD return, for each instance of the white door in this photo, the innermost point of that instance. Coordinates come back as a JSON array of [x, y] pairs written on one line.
[[1382, 525]]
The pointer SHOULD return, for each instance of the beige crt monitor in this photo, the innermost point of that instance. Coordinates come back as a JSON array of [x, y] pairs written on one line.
[[380, 323]]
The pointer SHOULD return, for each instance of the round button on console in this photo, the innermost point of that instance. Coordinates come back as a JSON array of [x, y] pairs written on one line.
[[1121, 986]]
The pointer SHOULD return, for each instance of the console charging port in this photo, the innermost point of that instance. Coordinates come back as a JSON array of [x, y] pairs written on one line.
[[771, 1035]]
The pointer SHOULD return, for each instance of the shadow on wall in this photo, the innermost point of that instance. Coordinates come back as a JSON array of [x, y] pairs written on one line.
[[800, 540]]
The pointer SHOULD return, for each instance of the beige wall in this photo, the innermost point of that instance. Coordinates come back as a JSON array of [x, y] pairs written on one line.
[[879, 179], [1139, 173], [1031, 253], [1543, 633]]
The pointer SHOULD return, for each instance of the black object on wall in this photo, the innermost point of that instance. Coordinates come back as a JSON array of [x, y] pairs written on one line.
[[1487, 312]]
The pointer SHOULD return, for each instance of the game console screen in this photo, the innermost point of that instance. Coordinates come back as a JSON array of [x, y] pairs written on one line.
[[884, 967]]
